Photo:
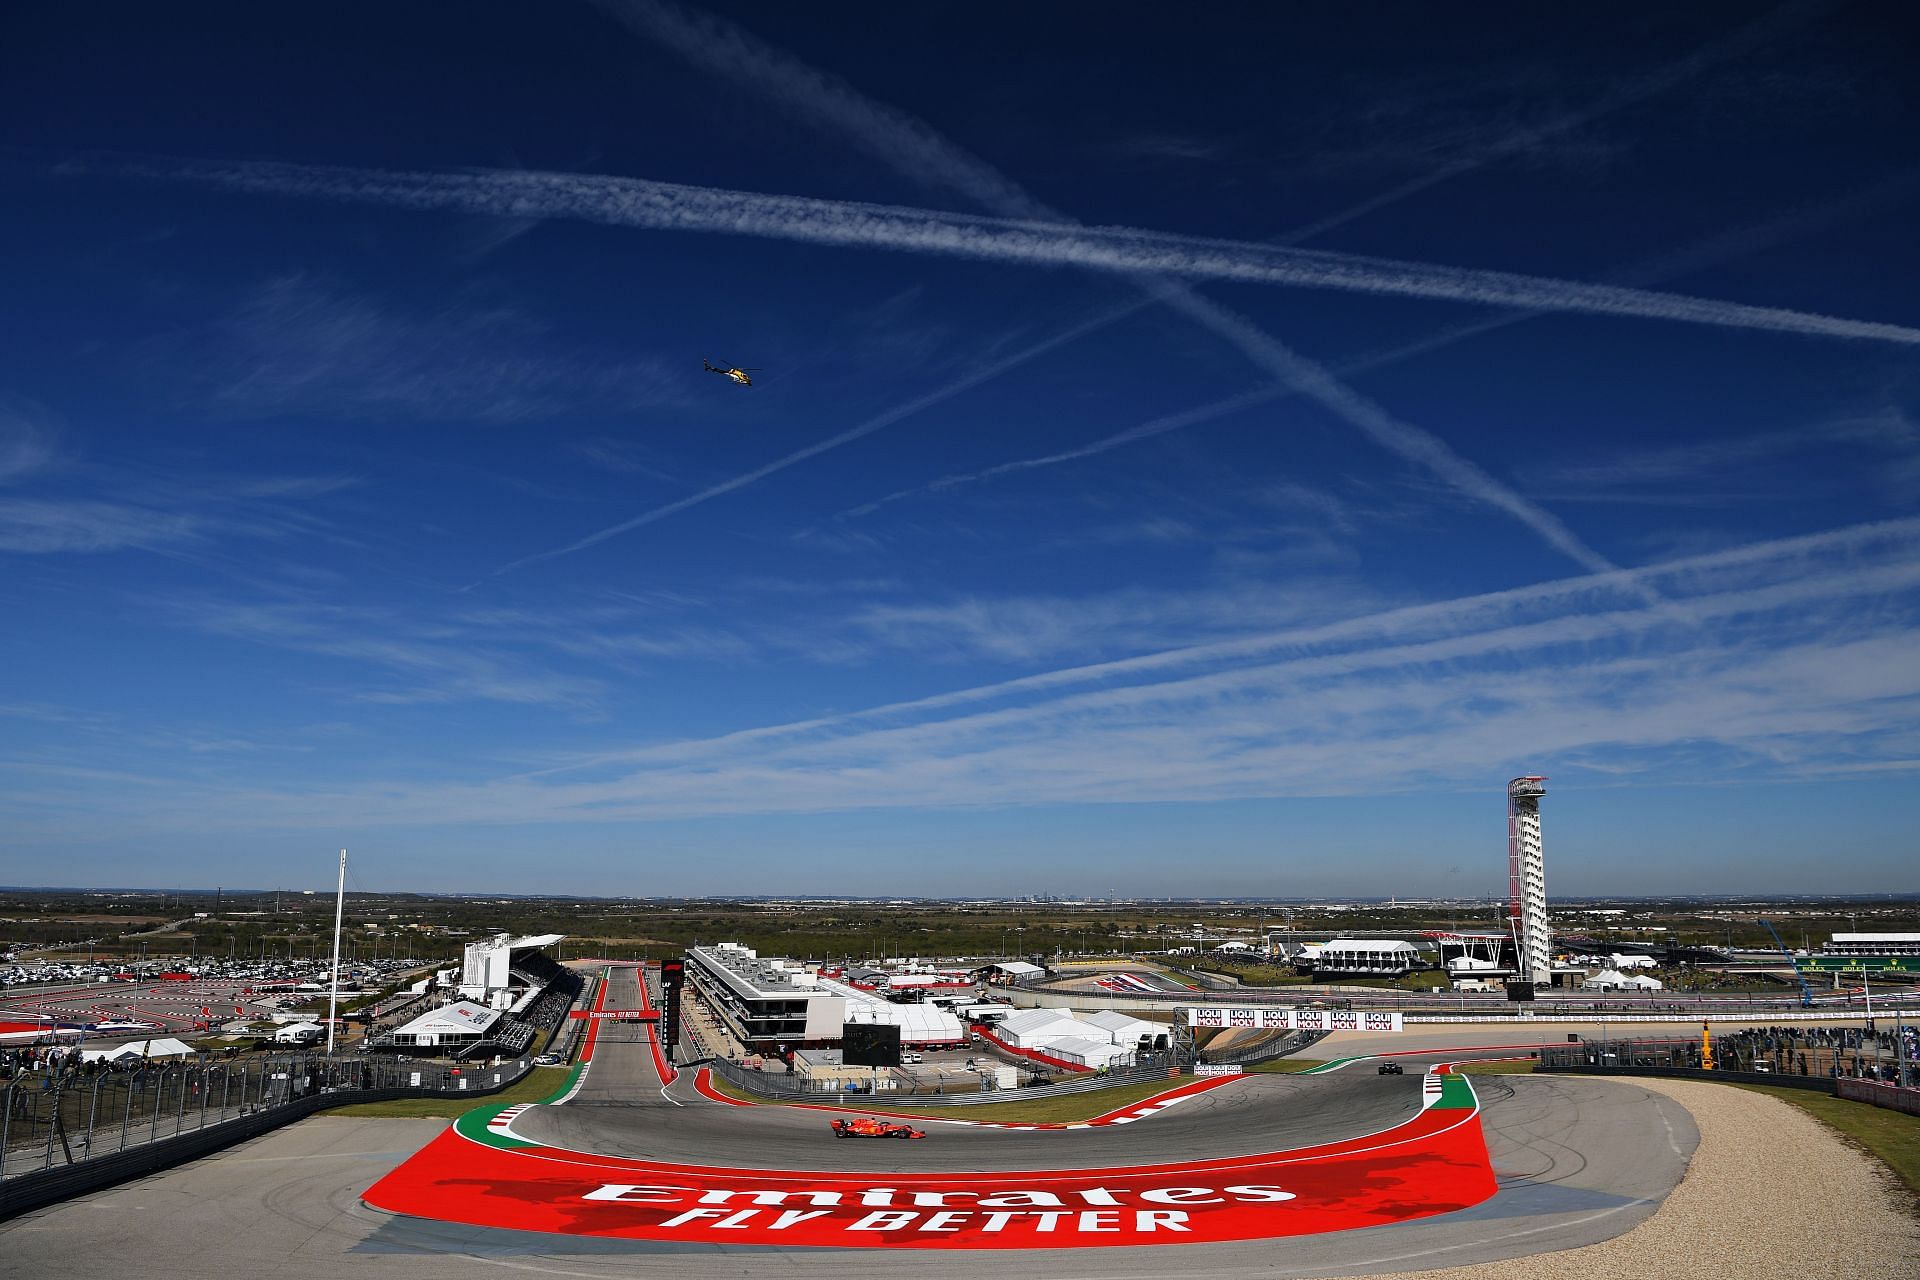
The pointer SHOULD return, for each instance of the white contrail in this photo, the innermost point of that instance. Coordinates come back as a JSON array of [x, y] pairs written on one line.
[[1146, 430], [1625, 94], [667, 206], [624, 201], [1693, 257], [916, 150], [1145, 257], [1835, 547]]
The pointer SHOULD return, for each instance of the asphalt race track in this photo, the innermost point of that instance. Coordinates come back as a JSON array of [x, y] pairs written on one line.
[[1576, 1161]]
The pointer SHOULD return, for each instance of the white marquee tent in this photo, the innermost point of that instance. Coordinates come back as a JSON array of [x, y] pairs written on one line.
[[1614, 980], [165, 1047]]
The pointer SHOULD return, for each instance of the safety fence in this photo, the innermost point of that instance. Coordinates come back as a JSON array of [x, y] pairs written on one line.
[[1282, 1045], [67, 1132], [1865, 1067], [1603, 1015], [1891, 1096], [779, 1086], [1674, 1006]]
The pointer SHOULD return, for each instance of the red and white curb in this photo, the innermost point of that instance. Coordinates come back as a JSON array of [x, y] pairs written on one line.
[[502, 1124]]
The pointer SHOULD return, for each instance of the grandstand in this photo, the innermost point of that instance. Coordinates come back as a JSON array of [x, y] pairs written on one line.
[[529, 992]]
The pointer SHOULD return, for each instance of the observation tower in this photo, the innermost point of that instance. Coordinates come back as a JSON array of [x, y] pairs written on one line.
[[1527, 881]]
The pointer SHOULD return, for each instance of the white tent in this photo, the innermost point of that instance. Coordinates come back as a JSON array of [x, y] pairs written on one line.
[[165, 1047], [294, 1033], [1087, 1052], [1035, 1028], [1124, 1031], [1614, 980], [920, 1024], [1018, 969], [1631, 962], [461, 1022]]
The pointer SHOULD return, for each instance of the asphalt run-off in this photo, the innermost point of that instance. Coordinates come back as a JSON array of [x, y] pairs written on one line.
[[489, 1170]]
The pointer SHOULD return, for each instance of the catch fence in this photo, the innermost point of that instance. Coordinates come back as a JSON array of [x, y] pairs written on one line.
[[1802, 1057], [66, 1131]]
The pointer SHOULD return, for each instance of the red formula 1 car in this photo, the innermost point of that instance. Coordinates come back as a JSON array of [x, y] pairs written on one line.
[[868, 1127]]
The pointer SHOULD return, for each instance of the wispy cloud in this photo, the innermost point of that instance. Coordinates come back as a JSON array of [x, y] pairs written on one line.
[[41, 526], [1809, 561], [1888, 435], [26, 441], [115, 508], [298, 344], [1026, 629], [1803, 670], [1480, 146], [393, 659], [1163, 148]]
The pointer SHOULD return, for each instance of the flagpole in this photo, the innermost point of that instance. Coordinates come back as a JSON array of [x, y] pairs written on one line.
[[333, 993]]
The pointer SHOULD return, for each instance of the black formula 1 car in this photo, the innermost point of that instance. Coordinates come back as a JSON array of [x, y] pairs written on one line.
[[868, 1127], [1391, 1069]]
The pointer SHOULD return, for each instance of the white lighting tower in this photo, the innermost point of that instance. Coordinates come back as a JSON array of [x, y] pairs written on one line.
[[1527, 881]]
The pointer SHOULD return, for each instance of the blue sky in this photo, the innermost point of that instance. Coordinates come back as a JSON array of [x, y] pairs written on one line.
[[1185, 458]]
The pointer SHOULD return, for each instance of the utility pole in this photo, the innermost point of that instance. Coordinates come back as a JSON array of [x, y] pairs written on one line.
[[333, 988]]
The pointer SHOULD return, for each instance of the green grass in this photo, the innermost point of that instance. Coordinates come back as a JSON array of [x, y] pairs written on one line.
[[535, 1085], [1892, 1136], [1422, 980], [1288, 1066], [1255, 975], [1071, 1109]]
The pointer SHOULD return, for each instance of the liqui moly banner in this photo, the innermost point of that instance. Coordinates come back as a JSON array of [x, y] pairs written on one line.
[[1270, 1019], [1261, 1018]]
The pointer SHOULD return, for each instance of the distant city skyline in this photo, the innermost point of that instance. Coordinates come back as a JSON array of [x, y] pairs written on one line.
[[1173, 466]]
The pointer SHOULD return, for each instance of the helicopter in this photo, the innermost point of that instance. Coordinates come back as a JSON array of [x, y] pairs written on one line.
[[738, 375]]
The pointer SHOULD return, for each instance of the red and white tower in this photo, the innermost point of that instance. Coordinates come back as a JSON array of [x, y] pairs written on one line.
[[1527, 881]]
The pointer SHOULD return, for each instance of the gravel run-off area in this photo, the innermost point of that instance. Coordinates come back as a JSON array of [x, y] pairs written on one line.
[[1771, 1194]]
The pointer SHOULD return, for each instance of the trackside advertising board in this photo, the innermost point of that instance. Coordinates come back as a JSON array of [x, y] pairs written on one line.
[[1269, 1019]]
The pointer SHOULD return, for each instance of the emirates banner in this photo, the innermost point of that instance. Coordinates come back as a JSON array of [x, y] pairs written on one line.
[[1267, 1018], [1435, 1163]]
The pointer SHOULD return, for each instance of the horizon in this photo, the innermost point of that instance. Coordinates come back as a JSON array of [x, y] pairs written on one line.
[[1182, 467], [1028, 899]]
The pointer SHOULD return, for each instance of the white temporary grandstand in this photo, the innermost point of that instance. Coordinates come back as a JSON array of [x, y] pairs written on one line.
[[1380, 957], [1873, 944]]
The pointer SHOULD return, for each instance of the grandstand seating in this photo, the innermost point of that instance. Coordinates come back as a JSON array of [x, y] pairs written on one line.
[[513, 1034]]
